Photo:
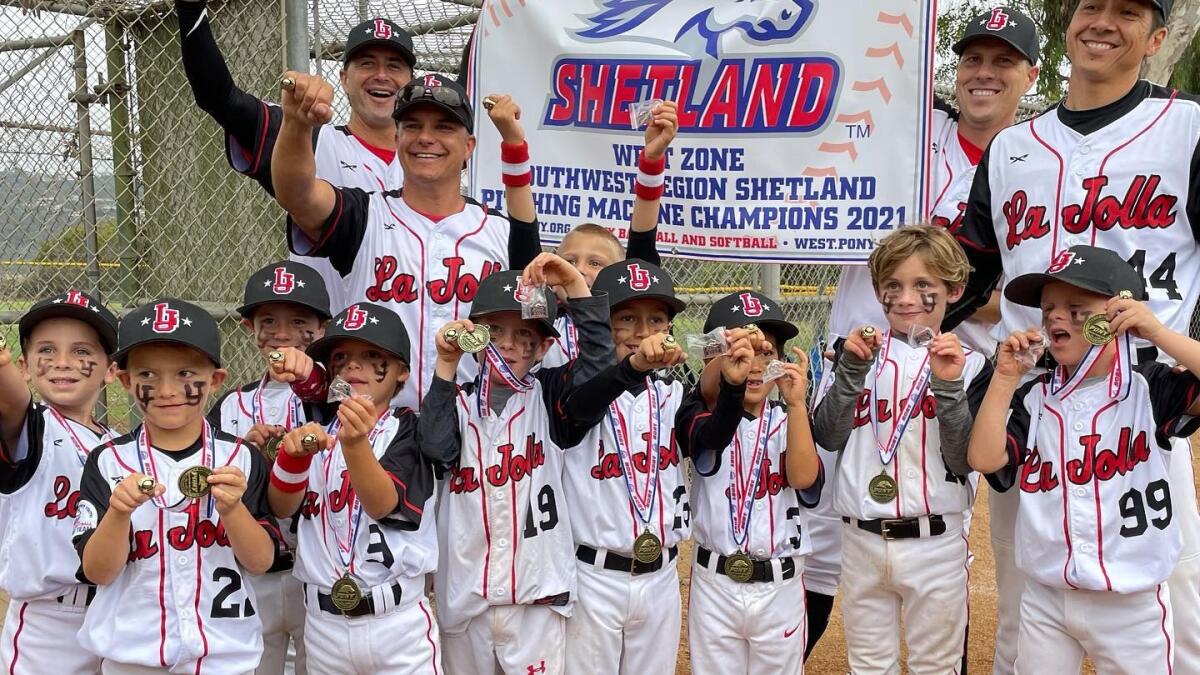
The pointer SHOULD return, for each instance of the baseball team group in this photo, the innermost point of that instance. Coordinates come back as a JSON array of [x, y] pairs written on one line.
[[465, 455]]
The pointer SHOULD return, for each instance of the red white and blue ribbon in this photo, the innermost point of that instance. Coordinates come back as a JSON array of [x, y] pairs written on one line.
[[742, 488], [344, 552], [493, 361], [149, 467], [258, 410], [1062, 386], [643, 501], [81, 450], [902, 415]]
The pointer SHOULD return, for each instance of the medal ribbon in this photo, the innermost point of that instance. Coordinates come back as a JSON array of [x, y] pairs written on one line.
[[902, 416], [81, 450], [353, 522], [149, 467], [571, 339], [258, 411], [1118, 377], [742, 491], [493, 361], [644, 505]]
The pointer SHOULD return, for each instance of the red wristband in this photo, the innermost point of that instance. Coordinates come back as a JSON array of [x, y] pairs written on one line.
[[514, 164], [650, 179], [290, 474]]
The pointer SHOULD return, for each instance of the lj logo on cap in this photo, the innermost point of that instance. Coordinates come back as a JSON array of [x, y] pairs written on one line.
[[750, 305], [1061, 262], [166, 320], [76, 298], [639, 278], [355, 318], [285, 281], [382, 30], [998, 20]]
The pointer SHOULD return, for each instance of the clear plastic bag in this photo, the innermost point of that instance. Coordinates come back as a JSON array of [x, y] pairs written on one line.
[[339, 390], [1029, 357], [708, 345], [774, 371], [534, 301], [919, 337], [641, 112]]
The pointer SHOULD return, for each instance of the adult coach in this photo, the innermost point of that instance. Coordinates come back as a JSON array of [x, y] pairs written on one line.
[[377, 62], [1116, 164], [998, 55], [422, 250]]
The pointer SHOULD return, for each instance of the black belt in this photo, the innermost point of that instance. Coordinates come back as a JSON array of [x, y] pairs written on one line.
[[763, 571], [900, 528], [284, 562], [365, 607], [619, 563]]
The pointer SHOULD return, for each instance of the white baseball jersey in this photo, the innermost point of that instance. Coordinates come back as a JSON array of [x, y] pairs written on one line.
[[1094, 509], [39, 500], [1122, 177], [777, 526], [925, 486], [182, 602], [336, 536], [953, 170], [596, 484], [426, 271]]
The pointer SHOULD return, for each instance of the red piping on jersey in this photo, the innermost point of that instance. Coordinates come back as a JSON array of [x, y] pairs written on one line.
[[1163, 625], [967, 595], [487, 531], [334, 218], [162, 603], [424, 293], [262, 140], [1165, 430], [1099, 515], [117, 456], [1170, 102], [1062, 463], [242, 407], [972, 152], [946, 187], [20, 627], [199, 587], [429, 636], [1057, 191], [404, 498], [895, 394], [515, 530], [458, 245]]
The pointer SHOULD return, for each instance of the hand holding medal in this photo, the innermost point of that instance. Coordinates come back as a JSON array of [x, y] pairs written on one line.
[[227, 484], [1125, 314]]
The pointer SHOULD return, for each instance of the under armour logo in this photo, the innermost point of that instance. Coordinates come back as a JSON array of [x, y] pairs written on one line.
[[539, 668], [639, 278], [166, 320], [285, 281], [355, 318], [383, 31], [76, 298], [998, 20], [751, 306], [1013, 159], [1061, 261]]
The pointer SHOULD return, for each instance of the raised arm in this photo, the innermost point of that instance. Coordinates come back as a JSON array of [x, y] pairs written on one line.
[[14, 401], [989, 449], [833, 420], [308, 200], [239, 114], [437, 427]]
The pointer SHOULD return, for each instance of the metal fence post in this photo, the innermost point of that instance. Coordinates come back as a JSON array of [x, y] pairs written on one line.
[[123, 171], [295, 36], [768, 279]]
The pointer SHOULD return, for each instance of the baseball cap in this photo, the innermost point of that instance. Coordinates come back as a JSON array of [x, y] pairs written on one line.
[[72, 304], [635, 279], [1007, 25], [169, 320], [1163, 7], [439, 91], [383, 33], [1093, 269], [285, 281], [743, 308], [374, 324], [498, 293]]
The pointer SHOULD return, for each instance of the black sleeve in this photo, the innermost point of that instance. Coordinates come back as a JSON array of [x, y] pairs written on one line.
[[704, 435], [560, 384], [94, 493], [410, 472], [978, 387], [342, 233], [437, 428], [644, 246], [1017, 434], [977, 235], [1193, 202], [593, 397], [16, 473], [524, 243], [1171, 395]]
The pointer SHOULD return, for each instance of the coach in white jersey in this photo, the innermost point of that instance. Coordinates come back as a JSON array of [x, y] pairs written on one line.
[[377, 62], [1116, 164], [421, 251]]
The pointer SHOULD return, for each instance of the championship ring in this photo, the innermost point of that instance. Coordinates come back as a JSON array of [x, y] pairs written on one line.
[[751, 328], [867, 332], [647, 547], [270, 449], [739, 567], [1095, 330], [345, 594], [275, 356], [669, 342], [287, 82], [882, 488], [488, 103], [451, 335], [474, 341], [146, 485], [308, 442], [3, 342], [1125, 295], [193, 483]]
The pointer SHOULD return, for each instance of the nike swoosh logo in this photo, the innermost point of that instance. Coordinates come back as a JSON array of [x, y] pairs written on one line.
[[788, 633]]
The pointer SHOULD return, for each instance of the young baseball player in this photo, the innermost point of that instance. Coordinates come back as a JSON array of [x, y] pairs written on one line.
[[746, 612], [173, 514], [366, 532], [65, 342], [898, 413], [626, 488], [1087, 446], [505, 589], [284, 305]]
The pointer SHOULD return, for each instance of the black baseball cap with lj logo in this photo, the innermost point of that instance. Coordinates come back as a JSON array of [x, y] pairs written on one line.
[[439, 91], [1004, 24], [1098, 270], [168, 320], [379, 32]]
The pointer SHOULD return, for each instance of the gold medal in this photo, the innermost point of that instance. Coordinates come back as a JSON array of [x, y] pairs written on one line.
[[1125, 295], [739, 567], [270, 449], [1095, 330], [647, 547], [146, 485], [345, 594], [882, 488], [275, 356], [867, 332], [193, 483], [474, 341]]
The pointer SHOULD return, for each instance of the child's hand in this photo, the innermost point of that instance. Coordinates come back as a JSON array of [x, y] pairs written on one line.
[[735, 367], [506, 115], [794, 383], [308, 100], [307, 440], [660, 350], [127, 496], [1007, 363], [289, 364], [447, 348], [228, 485], [661, 130], [946, 357], [863, 342], [1128, 315], [750, 332], [551, 270], [357, 416], [260, 434]]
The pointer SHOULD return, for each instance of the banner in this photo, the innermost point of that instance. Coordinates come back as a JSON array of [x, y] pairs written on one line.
[[804, 127]]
